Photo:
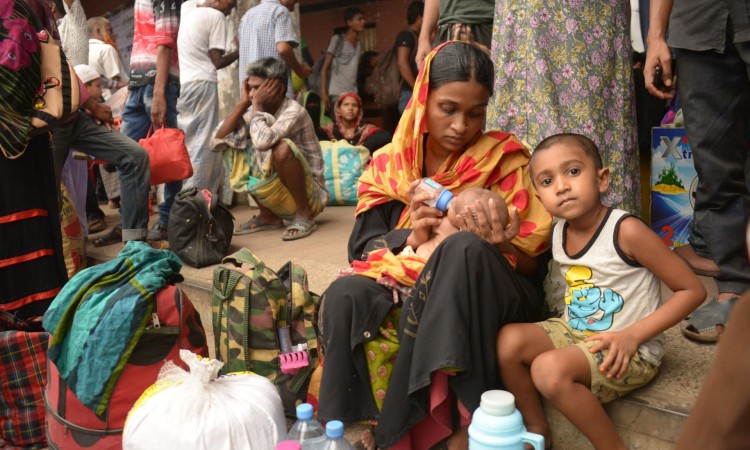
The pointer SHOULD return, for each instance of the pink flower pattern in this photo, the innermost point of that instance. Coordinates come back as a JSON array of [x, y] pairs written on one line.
[[588, 91]]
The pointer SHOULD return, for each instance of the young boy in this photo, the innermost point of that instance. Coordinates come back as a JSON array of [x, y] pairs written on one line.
[[610, 340], [345, 49]]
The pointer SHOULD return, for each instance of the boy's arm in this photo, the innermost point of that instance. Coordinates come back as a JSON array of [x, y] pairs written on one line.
[[324, 79], [640, 243], [234, 119]]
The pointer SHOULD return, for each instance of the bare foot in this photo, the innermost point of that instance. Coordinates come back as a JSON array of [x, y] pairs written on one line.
[[699, 264], [368, 439], [459, 440]]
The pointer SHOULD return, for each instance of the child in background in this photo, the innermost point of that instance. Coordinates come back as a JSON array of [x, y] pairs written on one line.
[[91, 78], [610, 340]]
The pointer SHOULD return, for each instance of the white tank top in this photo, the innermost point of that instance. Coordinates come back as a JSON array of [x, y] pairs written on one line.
[[607, 291]]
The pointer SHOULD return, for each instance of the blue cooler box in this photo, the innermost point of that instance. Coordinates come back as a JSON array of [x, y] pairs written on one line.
[[673, 184]]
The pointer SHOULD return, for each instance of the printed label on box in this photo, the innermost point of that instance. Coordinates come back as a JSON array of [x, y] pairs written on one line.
[[673, 184]]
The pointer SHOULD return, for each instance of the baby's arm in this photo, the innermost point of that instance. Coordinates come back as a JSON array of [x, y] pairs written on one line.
[[640, 243]]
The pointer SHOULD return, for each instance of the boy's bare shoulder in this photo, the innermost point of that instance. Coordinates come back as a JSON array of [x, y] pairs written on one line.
[[634, 236]]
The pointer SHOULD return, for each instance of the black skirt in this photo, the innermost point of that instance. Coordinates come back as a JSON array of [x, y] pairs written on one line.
[[32, 268]]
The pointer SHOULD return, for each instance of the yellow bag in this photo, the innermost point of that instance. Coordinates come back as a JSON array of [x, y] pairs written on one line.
[[74, 247]]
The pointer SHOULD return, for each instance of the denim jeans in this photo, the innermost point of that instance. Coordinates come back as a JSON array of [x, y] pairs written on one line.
[[130, 158], [403, 98], [136, 120], [715, 90]]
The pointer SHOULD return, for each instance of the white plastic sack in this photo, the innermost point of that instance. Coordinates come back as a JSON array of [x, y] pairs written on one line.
[[197, 410]]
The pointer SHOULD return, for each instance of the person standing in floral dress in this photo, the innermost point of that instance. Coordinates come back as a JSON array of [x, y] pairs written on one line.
[[565, 66]]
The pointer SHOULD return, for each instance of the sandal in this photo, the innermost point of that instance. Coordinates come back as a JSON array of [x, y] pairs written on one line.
[[97, 225], [702, 324], [254, 225], [303, 227], [692, 259], [113, 237]]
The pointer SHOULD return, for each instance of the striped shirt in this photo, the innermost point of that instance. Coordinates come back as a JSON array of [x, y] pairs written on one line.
[[260, 29], [264, 130], [156, 23]]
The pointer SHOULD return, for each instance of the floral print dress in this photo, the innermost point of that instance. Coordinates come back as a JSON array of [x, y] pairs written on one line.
[[565, 66]]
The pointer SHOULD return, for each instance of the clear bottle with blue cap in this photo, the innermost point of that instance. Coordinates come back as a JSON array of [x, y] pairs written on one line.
[[334, 437], [443, 198], [307, 431]]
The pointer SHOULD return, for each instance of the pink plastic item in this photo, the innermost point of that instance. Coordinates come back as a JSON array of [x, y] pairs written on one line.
[[292, 362]]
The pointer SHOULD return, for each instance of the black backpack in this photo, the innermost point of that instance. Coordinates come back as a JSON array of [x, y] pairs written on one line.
[[199, 235]]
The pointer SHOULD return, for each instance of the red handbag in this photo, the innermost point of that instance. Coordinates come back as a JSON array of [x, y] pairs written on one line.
[[169, 157]]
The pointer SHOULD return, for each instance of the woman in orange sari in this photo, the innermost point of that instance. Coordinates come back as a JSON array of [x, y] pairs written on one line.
[[419, 366]]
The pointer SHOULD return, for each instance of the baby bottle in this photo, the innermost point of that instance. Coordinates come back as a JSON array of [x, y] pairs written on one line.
[[497, 425], [443, 197]]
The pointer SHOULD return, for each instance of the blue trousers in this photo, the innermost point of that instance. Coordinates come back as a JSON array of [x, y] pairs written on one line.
[[136, 120]]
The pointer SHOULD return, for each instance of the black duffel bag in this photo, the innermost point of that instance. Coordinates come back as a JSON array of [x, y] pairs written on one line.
[[199, 235]]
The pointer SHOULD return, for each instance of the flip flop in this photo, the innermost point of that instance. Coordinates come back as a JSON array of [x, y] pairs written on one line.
[[701, 324], [113, 237], [304, 228], [97, 225], [254, 225]]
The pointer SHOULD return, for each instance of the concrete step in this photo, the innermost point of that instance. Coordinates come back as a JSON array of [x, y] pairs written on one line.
[[650, 418]]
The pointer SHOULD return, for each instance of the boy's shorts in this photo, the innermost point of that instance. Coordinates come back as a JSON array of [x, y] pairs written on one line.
[[638, 373]]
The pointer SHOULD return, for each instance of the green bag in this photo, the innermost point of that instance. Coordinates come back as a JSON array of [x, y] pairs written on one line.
[[256, 313]]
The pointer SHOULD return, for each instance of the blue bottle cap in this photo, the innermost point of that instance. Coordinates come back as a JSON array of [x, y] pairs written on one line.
[[334, 429], [443, 200], [304, 411]]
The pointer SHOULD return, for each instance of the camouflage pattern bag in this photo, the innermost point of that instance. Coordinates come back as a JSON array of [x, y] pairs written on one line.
[[258, 312]]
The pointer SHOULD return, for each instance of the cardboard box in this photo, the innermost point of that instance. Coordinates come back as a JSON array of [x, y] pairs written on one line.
[[673, 184]]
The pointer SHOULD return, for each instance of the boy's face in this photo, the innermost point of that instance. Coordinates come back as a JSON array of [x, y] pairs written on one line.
[[357, 23], [94, 88], [567, 182]]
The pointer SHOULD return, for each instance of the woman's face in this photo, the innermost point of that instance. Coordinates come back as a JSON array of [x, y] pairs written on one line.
[[349, 109], [455, 113]]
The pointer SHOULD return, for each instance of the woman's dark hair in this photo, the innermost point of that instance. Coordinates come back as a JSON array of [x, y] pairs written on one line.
[[461, 61]]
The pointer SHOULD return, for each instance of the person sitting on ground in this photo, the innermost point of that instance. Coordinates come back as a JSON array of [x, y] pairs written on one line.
[[474, 282], [286, 149], [610, 340], [400, 271], [348, 124]]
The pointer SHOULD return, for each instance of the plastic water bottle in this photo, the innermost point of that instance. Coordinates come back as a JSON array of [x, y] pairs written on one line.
[[288, 445], [498, 425], [306, 430], [443, 197], [335, 437]]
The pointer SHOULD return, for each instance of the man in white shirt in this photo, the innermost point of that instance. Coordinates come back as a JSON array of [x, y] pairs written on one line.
[[202, 43], [105, 58]]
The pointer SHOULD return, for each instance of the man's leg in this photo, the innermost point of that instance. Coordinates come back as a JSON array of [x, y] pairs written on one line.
[[136, 122], [132, 165], [293, 176], [716, 96]]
